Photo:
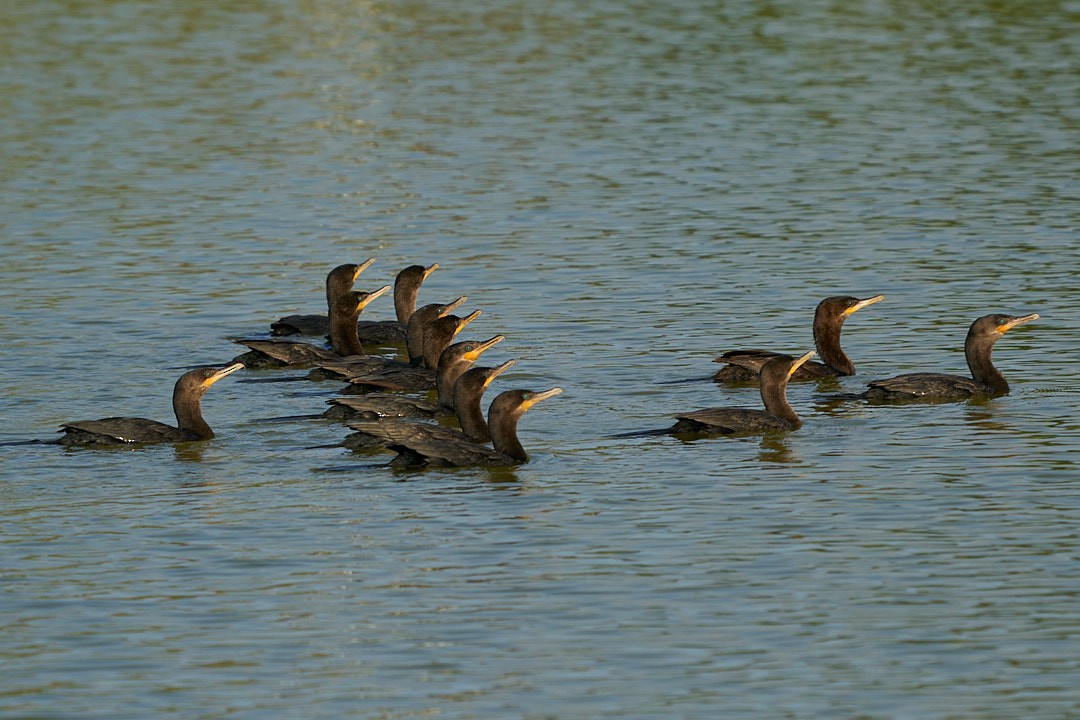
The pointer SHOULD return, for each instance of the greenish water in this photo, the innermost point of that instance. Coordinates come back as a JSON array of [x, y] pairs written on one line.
[[625, 190]]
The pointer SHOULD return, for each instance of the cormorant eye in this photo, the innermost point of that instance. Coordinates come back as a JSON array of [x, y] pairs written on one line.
[[526, 396]]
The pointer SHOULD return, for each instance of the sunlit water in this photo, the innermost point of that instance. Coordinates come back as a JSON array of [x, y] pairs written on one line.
[[625, 190]]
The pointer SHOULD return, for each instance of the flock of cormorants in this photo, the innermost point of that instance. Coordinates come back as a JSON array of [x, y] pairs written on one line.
[[387, 401]]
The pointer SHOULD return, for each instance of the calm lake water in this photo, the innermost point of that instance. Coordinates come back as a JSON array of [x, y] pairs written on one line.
[[626, 189]]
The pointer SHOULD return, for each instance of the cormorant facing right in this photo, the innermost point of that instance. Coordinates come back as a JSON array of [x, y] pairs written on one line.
[[777, 415], [985, 380], [406, 289], [339, 281], [829, 319], [416, 328], [343, 338], [187, 406], [417, 448]]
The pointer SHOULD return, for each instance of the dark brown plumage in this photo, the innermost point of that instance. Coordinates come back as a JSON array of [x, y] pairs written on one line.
[[439, 331], [985, 380], [415, 330], [455, 360], [406, 290], [373, 406], [416, 446], [468, 392], [366, 375], [340, 280], [344, 341], [187, 406], [777, 415], [829, 317]]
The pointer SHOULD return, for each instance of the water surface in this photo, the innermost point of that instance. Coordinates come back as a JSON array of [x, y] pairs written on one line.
[[625, 190]]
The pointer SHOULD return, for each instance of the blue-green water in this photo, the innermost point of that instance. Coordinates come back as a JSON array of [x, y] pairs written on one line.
[[625, 190]]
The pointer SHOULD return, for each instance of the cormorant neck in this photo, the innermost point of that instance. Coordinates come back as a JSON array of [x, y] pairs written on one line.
[[503, 429], [415, 330], [471, 417], [827, 342], [774, 397], [977, 350], [445, 377], [405, 294], [437, 338], [187, 406], [344, 339]]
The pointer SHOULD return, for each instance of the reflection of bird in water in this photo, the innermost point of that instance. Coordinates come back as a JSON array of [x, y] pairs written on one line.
[[985, 380], [339, 281], [344, 341], [829, 319], [467, 394], [187, 405]]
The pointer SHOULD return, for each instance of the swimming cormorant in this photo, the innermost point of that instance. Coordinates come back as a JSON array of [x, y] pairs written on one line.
[[187, 405], [777, 415], [338, 281], [829, 317], [985, 380], [416, 446]]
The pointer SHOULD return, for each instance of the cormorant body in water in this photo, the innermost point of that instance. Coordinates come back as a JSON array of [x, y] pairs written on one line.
[[985, 380], [417, 448], [454, 361], [468, 392], [829, 317], [385, 374], [187, 405], [777, 415], [344, 340], [340, 280]]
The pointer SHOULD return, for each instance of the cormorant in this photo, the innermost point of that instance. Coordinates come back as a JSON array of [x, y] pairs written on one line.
[[829, 319]]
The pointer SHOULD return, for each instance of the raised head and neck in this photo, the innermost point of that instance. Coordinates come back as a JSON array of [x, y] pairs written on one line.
[[979, 345], [828, 321], [455, 360], [468, 391], [407, 289], [340, 280], [418, 324], [440, 333], [503, 415], [774, 381], [346, 308], [187, 398]]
